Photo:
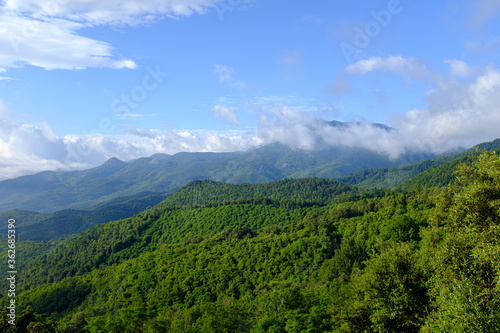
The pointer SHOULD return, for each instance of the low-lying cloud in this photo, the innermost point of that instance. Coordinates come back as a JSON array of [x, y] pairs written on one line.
[[459, 114], [30, 148]]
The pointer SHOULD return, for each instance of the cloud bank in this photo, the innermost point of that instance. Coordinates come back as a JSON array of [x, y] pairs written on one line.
[[30, 148], [459, 114]]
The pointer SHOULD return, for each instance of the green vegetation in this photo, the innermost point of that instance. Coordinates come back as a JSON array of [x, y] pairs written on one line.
[[47, 227], [26, 251], [48, 192], [298, 255], [440, 170], [304, 191]]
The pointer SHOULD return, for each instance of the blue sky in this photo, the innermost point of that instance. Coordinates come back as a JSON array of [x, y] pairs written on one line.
[[83, 81]]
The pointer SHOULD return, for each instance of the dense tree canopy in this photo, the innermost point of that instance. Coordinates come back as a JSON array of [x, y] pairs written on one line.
[[293, 256]]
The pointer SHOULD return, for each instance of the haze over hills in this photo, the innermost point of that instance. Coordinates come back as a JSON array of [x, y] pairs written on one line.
[[50, 226], [47, 192], [390, 177], [66, 222]]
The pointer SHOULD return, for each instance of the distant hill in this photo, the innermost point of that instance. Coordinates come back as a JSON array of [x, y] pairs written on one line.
[[303, 192], [287, 192], [48, 192], [49, 226], [440, 170], [435, 172]]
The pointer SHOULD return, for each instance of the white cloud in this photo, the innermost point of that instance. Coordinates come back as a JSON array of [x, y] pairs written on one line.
[[407, 67], [114, 12], [460, 68], [45, 34], [458, 114], [224, 72], [51, 44], [26, 148], [30, 148], [307, 131], [291, 127], [227, 113], [172, 142]]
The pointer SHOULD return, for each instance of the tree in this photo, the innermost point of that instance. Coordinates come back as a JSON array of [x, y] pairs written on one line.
[[390, 295], [462, 248]]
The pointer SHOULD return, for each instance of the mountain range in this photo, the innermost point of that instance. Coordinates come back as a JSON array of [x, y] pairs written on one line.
[[299, 253], [50, 191], [51, 205]]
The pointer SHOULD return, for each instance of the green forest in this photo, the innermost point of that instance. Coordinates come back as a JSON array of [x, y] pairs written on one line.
[[296, 255]]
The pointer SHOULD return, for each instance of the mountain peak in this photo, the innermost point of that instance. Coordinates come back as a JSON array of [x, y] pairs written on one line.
[[113, 161], [106, 169]]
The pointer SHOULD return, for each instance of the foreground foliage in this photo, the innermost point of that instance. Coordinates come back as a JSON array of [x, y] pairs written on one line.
[[401, 261]]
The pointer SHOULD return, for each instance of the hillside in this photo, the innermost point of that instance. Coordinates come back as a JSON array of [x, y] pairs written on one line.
[[48, 226], [45, 227], [344, 261], [303, 191], [119, 240], [390, 177]]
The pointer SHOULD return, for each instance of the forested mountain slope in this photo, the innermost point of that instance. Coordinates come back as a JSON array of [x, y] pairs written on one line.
[[390, 177], [48, 192], [256, 206], [424, 260], [45, 227], [279, 244], [304, 191]]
